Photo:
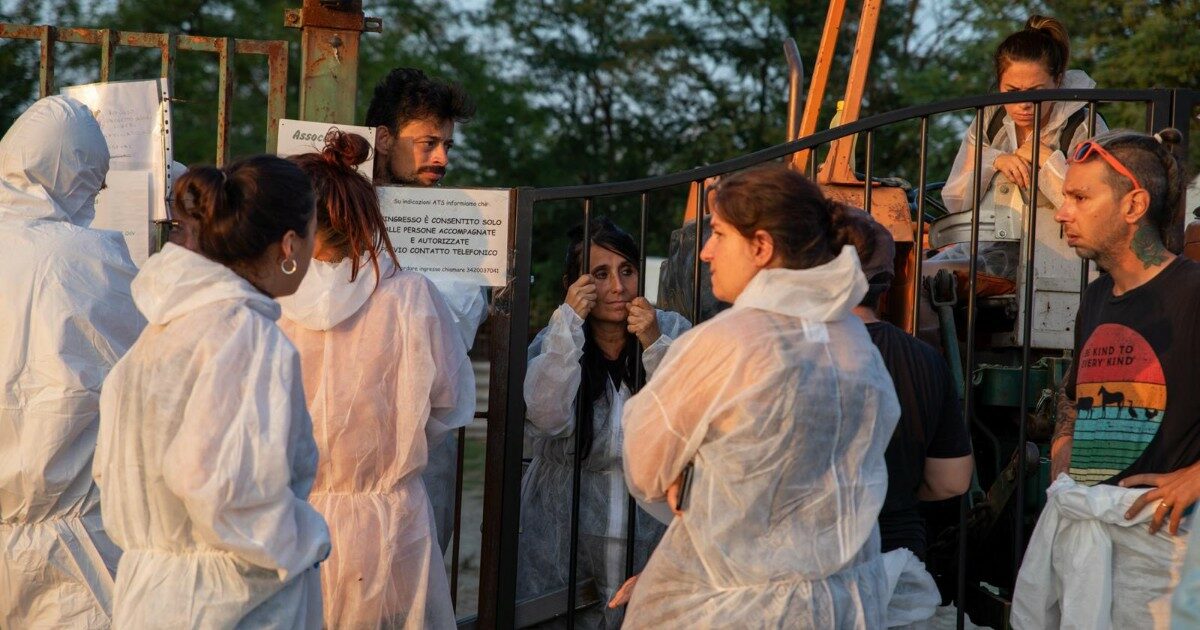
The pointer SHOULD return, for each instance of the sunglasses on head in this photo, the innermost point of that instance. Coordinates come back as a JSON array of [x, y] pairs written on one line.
[[1088, 148]]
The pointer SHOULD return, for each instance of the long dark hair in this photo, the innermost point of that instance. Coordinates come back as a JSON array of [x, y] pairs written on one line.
[[243, 208], [348, 216], [603, 233]]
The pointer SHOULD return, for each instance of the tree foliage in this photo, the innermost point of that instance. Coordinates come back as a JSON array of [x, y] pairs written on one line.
[[585, 91]]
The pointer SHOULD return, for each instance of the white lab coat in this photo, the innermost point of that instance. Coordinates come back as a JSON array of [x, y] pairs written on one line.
[[205, 458], [785, 408], [468, 307], [1087, 567], [68, 317], [386, 375], [957, 193], [551, 383]]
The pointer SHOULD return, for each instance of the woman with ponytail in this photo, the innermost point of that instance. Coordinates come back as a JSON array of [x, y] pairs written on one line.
[[1033, 58], [205, 453], [387, 378], [781, 408]]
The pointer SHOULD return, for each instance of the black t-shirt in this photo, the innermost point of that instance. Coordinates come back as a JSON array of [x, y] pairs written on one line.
[[930, 425], [1135, 378]]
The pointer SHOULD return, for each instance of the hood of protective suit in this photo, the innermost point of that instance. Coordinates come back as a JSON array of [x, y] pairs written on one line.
[[327, 297], [178, 281], [824, 293], [53, 161], [1072, 80]]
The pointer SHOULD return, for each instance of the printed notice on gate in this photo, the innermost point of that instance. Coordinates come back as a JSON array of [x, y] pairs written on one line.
[[449, 233], [302, 136]]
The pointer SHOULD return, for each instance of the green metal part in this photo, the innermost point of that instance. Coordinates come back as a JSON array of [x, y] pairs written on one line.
[[329, 57], [1000, 385]]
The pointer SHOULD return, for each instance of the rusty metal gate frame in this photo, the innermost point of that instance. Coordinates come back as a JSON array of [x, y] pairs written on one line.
[[169, 44]]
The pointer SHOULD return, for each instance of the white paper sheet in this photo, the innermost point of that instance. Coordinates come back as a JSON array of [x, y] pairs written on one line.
[[449, 233], [125, 206], [302, 136], [135, 117]]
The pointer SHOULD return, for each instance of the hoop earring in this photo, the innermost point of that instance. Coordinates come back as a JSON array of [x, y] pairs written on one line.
[[283, 266]]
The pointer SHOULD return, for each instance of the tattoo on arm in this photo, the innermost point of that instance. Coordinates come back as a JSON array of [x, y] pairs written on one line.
[[1147, 245], [1065, 426]]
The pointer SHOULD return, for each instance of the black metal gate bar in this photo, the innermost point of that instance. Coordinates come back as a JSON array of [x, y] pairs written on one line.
[[639, 379], [456, 533], [583, 398], [869, 152], [1027, 254], [919, 233], [968, 392], [506, 425], [701, 210]]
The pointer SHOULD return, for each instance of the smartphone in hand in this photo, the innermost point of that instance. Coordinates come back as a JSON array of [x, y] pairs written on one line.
[[685, 487]]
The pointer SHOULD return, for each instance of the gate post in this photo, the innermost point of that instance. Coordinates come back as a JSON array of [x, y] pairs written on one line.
[[506, 425], [329, 33]]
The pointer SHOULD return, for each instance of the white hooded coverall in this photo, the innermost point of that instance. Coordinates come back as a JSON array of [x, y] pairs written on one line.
[[68, 316], [785, 408], [386, 375], [468, 308], [551, 384], [205, 458], [957, 193]]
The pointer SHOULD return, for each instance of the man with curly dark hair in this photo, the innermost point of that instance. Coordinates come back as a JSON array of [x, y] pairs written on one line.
[[414, 116]]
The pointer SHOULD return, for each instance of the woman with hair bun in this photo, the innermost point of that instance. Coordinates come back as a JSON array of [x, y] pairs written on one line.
[[387, 377], [781, 408], [1033, 58], [205, 453]]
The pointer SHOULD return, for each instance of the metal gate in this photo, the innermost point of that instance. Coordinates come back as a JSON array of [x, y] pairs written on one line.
[[511, 322]]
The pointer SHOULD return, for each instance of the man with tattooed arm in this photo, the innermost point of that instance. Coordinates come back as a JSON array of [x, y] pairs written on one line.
[[1128, 438]]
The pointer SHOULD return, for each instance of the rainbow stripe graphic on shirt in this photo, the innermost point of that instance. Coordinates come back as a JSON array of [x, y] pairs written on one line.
[[1120, 396]]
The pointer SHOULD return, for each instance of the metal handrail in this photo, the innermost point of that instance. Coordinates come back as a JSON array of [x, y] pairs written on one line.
[[778, 151]]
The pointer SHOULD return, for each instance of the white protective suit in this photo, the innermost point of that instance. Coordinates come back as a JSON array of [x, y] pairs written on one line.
[[386, 375], [468, 308], [913, 596], [1087, 567], [1185, 604], [554, 376], [205, 457], [785, 408], [68, 317], [1003, 258], [957, 194]]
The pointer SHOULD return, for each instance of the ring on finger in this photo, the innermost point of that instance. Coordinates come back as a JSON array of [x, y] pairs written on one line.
[[1163, 505]]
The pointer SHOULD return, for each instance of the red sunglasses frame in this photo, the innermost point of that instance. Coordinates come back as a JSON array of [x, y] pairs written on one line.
[[1087, 148]]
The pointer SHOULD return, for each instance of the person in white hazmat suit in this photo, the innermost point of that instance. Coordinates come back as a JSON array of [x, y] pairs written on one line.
[[782, 409], [1033, 58], [68, 318], [589, 349], [386, 375], [205, 454], [414, 117]]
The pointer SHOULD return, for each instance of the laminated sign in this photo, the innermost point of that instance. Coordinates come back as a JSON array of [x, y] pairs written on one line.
[[302, 136], [135, 117], [449, 233]]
